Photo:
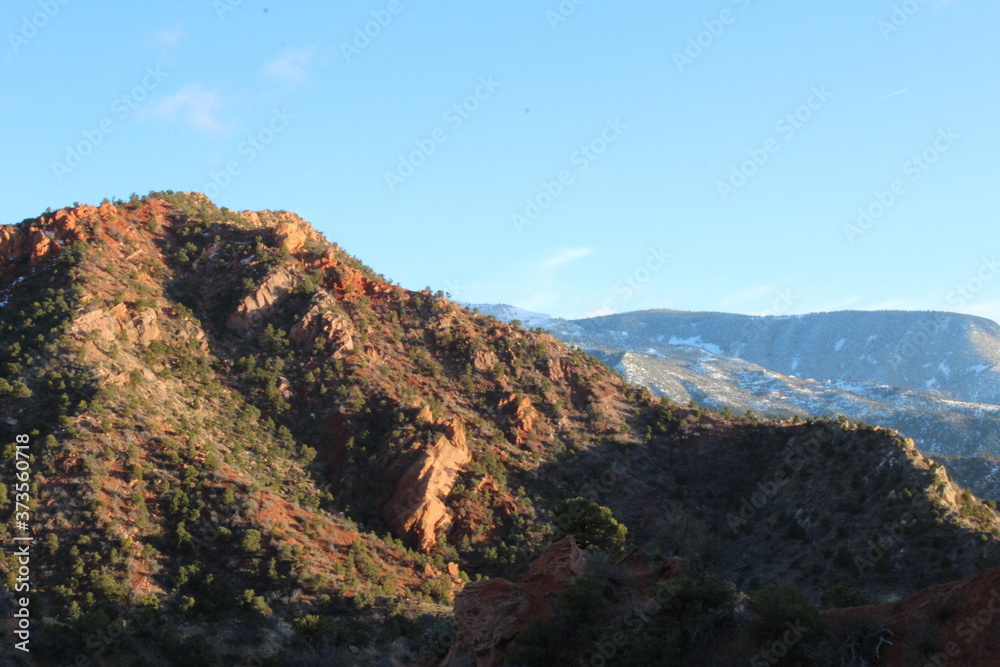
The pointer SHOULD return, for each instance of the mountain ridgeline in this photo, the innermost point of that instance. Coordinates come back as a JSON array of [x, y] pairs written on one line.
[[956, 356], [247, 447], [686, 357]]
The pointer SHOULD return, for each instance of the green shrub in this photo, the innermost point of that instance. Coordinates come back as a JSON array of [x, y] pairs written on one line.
[[584, 606], [785, 619], [251, 541], [839, 596], [537, 646], [592, 525]]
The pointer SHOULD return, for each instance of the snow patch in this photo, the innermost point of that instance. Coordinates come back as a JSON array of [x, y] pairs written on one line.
[[839, 344], [943, 367], [695, 341]]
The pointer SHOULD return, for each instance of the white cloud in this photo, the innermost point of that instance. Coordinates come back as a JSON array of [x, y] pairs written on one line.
[[193, 104], [290, 65], [565, 256]]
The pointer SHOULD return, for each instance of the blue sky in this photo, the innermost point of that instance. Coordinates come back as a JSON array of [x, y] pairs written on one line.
[[567, 157]]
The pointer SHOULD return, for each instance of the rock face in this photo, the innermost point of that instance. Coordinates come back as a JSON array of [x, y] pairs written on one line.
[[289, 229], [325, 321], [490, 614], [110, 325], [484, 360], [258, 305], [417, 507], [966, 635], [37, 240], [522, 417]]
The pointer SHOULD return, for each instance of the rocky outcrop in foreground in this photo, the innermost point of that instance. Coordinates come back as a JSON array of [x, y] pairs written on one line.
[[491, 614]]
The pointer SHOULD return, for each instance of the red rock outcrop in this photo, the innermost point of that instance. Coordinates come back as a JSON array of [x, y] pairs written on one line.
[[41, 238], [118, 322], [324, 320], [967, 634], [553, 369], [484, 360], [522, 417], [491, 613], [416, 508], [289, 229], [258, 305]]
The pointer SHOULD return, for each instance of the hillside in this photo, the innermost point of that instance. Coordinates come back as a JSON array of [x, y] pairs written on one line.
[[247, 443], [685, 370], [936, 424], [957, 356]]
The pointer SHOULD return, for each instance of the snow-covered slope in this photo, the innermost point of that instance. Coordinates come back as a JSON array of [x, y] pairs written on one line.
[[933, 376], [955, 356], [937, 425]]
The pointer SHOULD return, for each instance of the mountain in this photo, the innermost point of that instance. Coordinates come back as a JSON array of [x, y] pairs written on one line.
[[247, 447], [938, 425], [693, 369], [954, 356]]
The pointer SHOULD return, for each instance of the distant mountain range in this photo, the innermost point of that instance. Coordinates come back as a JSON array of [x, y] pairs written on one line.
[[945, 354], [933, 376]]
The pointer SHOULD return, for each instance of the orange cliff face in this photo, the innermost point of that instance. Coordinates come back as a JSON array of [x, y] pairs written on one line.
[[417, 508], [37, 240], [42, 237]]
